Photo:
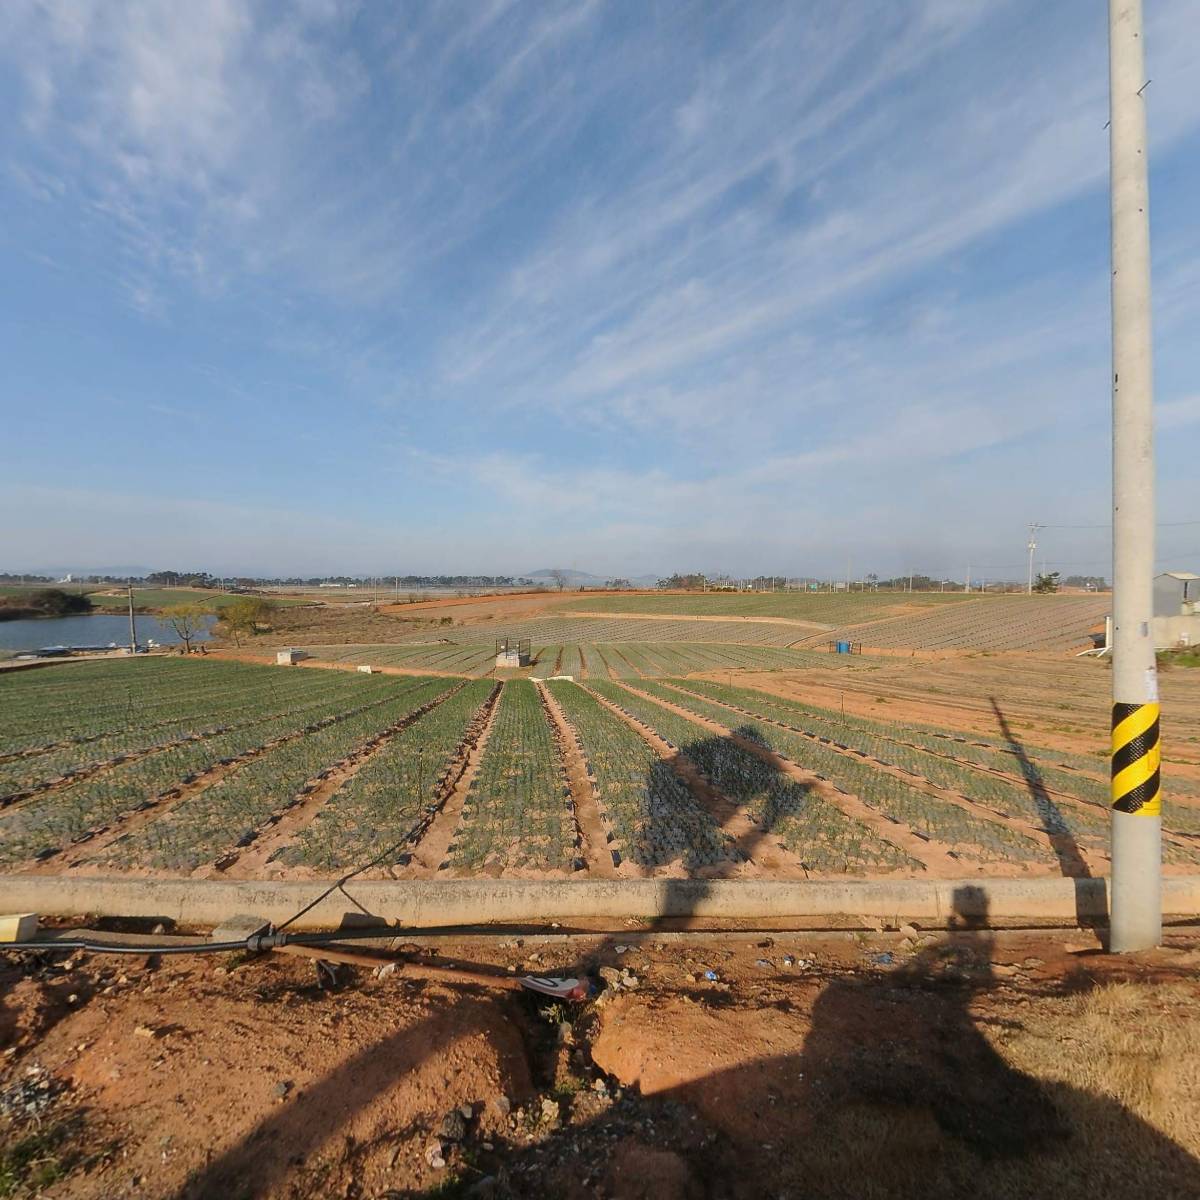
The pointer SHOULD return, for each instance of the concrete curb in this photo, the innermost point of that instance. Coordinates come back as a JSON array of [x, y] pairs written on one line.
[[449, 902]]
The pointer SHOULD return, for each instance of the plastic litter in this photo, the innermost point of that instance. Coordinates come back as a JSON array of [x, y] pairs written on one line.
[[711, 976], [563, 989]]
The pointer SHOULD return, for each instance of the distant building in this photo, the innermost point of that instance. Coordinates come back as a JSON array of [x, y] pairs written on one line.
[[1176, 594]]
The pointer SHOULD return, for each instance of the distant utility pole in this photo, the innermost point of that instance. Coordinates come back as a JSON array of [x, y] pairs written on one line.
[[132, 624], [1033, 529], [968, 585], [1135, 921]]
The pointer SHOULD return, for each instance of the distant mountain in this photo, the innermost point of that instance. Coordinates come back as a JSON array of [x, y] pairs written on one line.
[[575, 577]]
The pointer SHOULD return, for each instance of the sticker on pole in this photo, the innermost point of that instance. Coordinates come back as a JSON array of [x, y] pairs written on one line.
[[1136, 760]]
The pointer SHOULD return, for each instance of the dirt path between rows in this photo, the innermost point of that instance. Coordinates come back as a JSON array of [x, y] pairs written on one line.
[[933, 856], [434, 844], [587, 812], [757, 847], [282, 828], [1072, 858]]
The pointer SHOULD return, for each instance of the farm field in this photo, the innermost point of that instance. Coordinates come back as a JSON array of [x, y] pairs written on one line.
[[957, 834], [1065, 799], [587, 660], [823, 608], [994, 623], [930, 624], [552, 629], [1048, 700], [931, 621], [450, 657], [72, 796], [518, 812], [212, 768]]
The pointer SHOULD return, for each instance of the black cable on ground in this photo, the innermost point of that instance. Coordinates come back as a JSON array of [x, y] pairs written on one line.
[[340, 884], [126, 948], [254, 943]]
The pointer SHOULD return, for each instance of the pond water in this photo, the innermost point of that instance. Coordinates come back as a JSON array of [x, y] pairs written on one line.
[[88, 631]]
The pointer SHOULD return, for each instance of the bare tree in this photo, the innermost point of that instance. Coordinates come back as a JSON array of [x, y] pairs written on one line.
[[187, 620], [560, 578]]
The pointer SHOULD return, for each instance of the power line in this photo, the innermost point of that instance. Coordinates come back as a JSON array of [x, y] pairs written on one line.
[[1157, 525]]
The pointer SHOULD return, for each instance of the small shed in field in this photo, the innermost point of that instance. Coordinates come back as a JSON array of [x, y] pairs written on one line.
[[513, 652], [1176, 594], [289, 657]]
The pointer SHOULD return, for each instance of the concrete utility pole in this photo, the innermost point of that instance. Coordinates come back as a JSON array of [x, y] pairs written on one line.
[[1136, 900], [132, 625], [1033, 528]]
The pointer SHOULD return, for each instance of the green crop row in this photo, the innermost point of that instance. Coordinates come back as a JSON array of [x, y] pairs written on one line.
[[517, 813], [230, 813], [826, 839], [651, 816], [1028, 800], [56, 819], [937, 819], [398, 787], [30, 773], [89, 700]]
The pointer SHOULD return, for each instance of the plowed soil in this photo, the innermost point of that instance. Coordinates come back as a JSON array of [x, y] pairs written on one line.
[[939, 1064]]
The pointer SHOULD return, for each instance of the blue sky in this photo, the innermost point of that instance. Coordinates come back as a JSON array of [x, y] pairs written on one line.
[[631, 287]]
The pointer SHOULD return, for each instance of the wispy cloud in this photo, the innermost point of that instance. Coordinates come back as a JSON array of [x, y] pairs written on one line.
[[595, 269]]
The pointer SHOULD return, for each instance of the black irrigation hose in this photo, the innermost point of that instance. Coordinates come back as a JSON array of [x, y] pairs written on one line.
[[255, 943], [126, 948]]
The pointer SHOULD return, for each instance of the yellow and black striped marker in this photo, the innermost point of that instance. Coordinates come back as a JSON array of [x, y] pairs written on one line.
[[1136, 758]]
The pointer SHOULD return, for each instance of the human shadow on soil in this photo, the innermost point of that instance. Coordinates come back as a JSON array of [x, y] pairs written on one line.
[[725, 796], [897, 1092]]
